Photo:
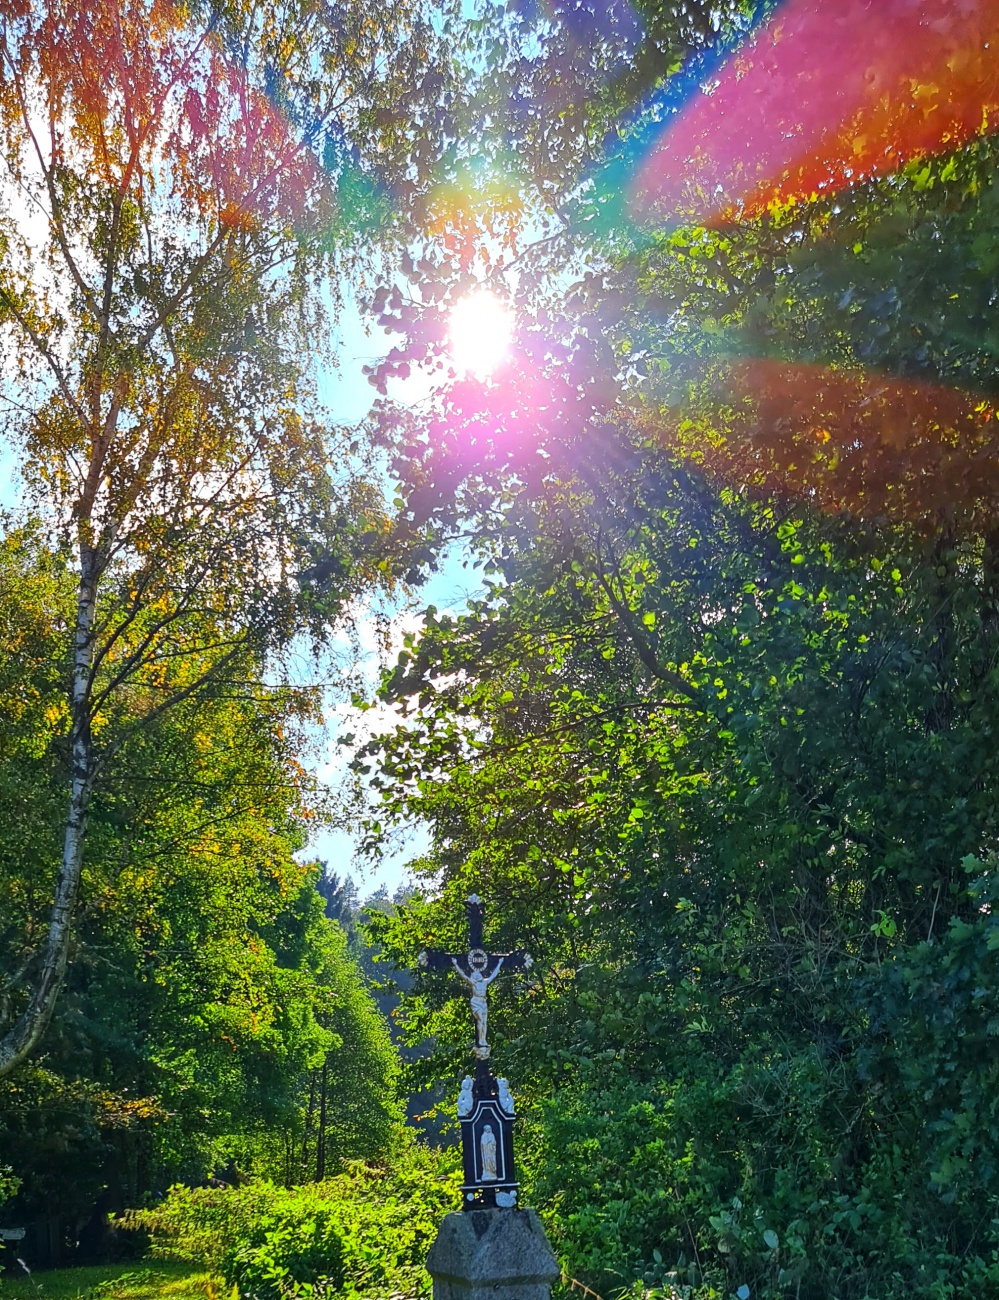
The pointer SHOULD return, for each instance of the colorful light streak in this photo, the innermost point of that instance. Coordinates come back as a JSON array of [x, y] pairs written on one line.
[[825, 94], [870, 444], [820, 96]]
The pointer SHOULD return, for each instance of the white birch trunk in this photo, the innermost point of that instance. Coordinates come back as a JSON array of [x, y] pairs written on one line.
[[24, 1034]]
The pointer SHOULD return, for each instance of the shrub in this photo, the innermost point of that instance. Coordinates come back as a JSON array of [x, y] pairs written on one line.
[[8, 1183], [365, 1232], [291, 1247]]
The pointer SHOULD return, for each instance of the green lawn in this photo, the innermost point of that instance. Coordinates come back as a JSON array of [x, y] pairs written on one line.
[[142, 1281]]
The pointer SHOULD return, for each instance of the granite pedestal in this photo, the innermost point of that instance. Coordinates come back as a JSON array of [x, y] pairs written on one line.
[[492, 1255]]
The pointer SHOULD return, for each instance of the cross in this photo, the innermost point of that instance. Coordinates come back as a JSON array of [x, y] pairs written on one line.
[[485, 1103], [474, 968]]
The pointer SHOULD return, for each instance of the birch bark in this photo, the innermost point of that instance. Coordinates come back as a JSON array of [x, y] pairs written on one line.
[[26, 1031]]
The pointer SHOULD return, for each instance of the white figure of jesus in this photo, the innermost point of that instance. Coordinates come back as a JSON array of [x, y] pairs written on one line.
[[479, 984]]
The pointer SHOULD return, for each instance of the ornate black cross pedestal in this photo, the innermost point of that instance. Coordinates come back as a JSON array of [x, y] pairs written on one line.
[[498, 1252], [485, 1103]]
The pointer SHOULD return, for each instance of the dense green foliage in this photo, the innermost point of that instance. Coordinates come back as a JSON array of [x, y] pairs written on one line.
[[208, 990], [363, 1233], [184, 189], [730, 792], [718, 740]]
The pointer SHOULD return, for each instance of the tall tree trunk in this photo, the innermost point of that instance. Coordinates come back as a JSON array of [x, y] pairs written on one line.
[[24, 1034], [307, 1129], [321, 1140]]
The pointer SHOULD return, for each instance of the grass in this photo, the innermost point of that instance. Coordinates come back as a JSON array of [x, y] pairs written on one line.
[[154, 1280]]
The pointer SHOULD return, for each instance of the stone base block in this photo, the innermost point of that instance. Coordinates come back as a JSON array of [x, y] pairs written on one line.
[[492, 1255]]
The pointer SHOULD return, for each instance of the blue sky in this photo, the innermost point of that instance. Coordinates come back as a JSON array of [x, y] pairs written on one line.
[[349, 397]]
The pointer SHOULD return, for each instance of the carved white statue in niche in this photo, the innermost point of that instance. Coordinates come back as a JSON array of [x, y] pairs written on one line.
[[487, 1148]]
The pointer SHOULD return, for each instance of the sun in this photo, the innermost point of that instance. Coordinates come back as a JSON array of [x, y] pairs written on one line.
[[480, 333]]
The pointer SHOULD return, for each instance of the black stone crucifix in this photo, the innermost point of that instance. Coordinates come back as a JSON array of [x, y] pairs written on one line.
[[485, 1103], [476, 968]]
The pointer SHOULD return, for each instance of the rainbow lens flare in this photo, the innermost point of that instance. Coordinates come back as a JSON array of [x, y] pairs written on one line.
[[823, 95]]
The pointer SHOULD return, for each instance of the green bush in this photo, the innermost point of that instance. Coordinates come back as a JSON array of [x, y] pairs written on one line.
[[365, 1232], [291, 1247], [730, 1173], [863, 1164]]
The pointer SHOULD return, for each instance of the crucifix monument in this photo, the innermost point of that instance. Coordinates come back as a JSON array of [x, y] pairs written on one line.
[[495, 1252], [485, 1103]]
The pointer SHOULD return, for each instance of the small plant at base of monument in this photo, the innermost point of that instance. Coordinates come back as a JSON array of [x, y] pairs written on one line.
[[363, 1233]]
